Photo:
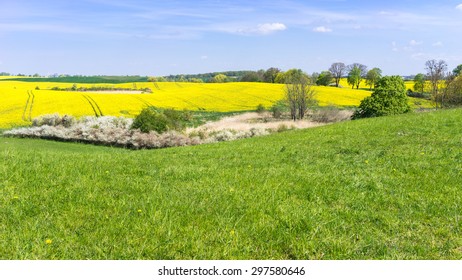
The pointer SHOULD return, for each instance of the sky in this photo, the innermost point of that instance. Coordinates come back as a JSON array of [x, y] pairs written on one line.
[[157, 38]]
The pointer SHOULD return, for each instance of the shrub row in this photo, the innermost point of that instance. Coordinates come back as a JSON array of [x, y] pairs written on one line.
[[118, 132]]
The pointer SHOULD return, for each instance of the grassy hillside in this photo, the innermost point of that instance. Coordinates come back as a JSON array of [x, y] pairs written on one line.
[[385, 188]]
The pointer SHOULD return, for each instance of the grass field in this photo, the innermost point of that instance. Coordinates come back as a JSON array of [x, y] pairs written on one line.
[[22, 101], [383, 188]]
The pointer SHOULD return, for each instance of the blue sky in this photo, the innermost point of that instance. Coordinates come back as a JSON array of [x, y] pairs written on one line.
[[140, 37]]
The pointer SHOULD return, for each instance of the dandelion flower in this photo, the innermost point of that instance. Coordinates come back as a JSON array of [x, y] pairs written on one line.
[[48, 241], [139, 211]]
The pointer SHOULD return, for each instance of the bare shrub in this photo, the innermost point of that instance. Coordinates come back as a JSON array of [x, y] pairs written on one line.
[[330, 115]]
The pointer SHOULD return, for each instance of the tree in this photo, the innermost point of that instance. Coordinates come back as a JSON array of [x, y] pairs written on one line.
[[251, 77], [435, 73], [298, 93], [389, 98], [195, 80], [290, 76], [280, 78], [373, 76], [314, 77], [458, 70], [337, 69], [219, 78], [453, 91], [270, 75], [324, 78], [355, 74], [419, 82]]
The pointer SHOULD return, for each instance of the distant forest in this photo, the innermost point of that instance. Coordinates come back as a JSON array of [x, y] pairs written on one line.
[[230, 76]]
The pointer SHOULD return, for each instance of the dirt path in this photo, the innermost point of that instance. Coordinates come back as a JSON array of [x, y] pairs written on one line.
[[247, 121]]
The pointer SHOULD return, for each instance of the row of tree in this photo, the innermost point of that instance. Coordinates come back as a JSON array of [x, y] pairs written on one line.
[[443, 86], [355, 73]]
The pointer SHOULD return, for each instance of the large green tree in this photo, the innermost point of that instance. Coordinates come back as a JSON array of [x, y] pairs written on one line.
[[270, 75], [373, 76], [324, 79], [355, 74], [389, 98]]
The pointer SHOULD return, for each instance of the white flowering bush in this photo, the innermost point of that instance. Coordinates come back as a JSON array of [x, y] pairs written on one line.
[[116, 131]]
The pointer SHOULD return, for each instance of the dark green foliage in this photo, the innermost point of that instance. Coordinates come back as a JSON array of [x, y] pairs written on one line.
[[158, 120], [419, 82], [252, 77], [270, 75], [85, 79], [177, 120], [279, 108], [150, 119], [324, 79], [388, 98], [458, 70], [261, 109], [452, 94]]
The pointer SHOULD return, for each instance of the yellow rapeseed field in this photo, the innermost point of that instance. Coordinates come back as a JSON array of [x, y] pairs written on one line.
[[22, 101]]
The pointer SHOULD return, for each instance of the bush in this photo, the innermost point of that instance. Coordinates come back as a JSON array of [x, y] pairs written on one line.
[[150, 119], [54, 120], [389, 98], [261, 109], [155, 119], [278, 108]]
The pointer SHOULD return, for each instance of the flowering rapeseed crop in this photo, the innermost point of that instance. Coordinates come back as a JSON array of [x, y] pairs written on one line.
[[22, 101]]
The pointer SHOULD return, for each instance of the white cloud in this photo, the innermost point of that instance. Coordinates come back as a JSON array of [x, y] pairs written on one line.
[[437, 44], [322, 29], [459, 7], [267, 28], [414, 43], [261, 29], [204, 57], [394, 46]]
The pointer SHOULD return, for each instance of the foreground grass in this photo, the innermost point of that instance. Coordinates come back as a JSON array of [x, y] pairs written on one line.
[[385, 188]]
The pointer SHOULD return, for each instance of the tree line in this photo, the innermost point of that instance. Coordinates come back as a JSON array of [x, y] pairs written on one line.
[[443, 87]]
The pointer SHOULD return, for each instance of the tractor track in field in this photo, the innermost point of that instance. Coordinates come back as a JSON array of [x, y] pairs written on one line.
[[143, 101], [156, 85], [27, 113], [94, 105]]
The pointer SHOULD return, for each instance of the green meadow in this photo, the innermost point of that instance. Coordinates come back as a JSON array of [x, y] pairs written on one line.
[[382, 188]]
